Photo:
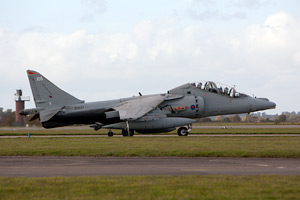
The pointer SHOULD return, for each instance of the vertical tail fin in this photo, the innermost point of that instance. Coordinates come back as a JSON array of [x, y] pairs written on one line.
[[46, 94]]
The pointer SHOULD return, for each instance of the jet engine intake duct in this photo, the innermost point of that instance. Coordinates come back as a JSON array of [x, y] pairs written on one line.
[[188, 106], [199, 101]]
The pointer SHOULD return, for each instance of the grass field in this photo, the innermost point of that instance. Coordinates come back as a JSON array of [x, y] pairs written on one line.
[[152, 187], [154, 146]]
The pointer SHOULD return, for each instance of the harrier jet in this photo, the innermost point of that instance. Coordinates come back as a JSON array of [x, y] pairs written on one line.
[[144, 113]]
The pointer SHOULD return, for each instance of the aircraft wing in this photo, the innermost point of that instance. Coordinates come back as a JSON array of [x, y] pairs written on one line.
[[136, 108]]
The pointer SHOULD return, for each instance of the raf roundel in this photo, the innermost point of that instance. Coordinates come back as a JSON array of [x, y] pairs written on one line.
[[193, 107]]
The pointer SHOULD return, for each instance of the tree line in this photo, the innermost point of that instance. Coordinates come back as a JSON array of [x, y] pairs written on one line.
[[8, 119]]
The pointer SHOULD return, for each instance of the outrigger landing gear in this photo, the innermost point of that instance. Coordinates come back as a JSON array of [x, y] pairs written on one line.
[[184, 131], [110, 133], [96, 126]]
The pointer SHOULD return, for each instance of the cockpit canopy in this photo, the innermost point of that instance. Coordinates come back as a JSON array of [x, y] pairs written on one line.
[[218, 88]]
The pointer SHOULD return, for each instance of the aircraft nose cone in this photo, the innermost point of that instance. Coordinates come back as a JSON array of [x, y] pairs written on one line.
[[263, 104], [272, 105]]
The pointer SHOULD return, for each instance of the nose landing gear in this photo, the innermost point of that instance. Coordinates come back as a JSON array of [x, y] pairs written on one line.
[[184, 131]]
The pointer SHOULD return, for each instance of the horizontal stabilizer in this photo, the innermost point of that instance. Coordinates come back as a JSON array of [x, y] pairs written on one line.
[[36, 116], [49, 112]]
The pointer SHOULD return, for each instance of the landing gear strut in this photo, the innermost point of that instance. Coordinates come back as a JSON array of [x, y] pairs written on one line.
[[127, 131]]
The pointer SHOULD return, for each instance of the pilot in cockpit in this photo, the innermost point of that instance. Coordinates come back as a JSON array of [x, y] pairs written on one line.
[[199, 85], [226, 90], [221, 90]]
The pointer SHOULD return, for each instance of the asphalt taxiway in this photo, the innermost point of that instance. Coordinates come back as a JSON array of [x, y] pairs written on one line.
[[127, 166]]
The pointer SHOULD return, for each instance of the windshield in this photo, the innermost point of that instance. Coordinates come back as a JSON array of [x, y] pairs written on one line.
[[218, 88]]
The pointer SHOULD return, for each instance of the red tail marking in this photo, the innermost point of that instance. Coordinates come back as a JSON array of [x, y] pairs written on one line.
[[31, 72]]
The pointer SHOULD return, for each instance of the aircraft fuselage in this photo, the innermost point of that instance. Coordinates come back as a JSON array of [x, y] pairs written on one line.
[[146, 114]]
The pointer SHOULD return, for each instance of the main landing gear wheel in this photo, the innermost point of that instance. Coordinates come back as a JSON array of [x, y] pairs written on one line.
[[182, 131], [125, 132], [110, 133], [131, 133]]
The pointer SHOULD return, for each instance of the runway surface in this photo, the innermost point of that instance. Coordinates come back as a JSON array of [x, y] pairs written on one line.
[[120, 166]]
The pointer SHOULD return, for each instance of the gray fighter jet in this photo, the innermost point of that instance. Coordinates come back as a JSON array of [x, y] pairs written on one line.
[[144, 114]]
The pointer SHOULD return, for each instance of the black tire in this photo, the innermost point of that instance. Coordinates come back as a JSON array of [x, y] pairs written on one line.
[[183, 131], [131, 132], [124, 133], [110, 134]]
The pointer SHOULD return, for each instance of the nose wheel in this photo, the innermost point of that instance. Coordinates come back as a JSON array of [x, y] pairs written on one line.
[[184, 131]]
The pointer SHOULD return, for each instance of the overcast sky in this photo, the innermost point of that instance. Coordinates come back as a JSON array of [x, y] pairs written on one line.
[[107, 49]]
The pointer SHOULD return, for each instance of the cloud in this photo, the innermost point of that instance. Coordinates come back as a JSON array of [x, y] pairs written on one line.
[[250, 4], [296, 59], [214, 10], [206, 3], [278, 35], [215, 15], [92, 8], [34, 29], [157, 55], [87, 17], [211, 10]]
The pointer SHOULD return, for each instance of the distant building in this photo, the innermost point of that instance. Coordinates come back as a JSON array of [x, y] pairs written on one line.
[[20, 105]]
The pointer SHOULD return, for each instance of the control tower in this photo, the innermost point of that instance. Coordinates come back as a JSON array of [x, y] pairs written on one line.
[[20, 105]]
